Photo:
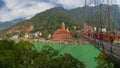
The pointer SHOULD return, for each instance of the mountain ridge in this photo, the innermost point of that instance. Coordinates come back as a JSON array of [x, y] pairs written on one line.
[[8, 24], [48, 21]]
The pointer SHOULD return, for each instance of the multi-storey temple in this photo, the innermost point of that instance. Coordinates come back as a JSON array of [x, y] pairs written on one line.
[[62, 34]]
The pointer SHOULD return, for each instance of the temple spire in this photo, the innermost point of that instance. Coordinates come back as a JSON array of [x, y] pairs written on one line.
[[63, 26]]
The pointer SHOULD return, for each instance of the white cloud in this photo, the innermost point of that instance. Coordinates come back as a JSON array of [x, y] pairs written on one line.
[[69, 4], [16, 9], [118, 2], [27, 8]]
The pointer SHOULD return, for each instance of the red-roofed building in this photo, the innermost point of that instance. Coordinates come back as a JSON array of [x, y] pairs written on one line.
[[62, 34]]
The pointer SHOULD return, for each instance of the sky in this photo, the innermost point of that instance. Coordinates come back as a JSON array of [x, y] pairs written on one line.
[[13, 9]]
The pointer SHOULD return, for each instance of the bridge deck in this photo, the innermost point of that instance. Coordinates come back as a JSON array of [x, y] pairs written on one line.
[[111, 50]]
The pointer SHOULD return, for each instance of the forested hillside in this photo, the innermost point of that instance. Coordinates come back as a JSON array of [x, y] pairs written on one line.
[[48, 21]]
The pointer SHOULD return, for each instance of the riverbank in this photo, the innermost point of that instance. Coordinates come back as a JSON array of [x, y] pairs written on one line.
[[76, 41]]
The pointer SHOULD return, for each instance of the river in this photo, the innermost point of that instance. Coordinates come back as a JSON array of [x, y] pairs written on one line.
[[84, 53]]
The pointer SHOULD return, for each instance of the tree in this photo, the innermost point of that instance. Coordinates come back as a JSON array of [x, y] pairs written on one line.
[[74, 33], [48, 57], [45, 33], [104, 61], [24, 55], [7, 54]]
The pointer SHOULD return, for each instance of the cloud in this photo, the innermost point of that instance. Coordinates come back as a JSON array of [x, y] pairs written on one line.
[[118, 2], [69, 3], [12, 9], [15, 9]]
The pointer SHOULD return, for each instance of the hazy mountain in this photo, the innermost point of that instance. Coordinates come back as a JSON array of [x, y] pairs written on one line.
[[91, 15], [7, 24]]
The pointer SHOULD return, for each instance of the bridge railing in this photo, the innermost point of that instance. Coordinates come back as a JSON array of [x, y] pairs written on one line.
[[108, 48]]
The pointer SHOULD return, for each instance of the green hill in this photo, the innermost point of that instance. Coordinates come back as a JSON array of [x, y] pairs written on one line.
[[48, 21], [52, 19]]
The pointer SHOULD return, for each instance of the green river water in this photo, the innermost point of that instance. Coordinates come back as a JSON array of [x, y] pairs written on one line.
[[84, 53]]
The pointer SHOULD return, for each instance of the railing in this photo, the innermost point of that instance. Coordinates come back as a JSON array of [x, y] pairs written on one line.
[[112, 51]]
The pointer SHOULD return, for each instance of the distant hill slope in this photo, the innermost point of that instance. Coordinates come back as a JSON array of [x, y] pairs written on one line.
[[48, 21], [7, 24]]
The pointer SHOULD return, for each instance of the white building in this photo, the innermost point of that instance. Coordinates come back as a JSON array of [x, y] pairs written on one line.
[[15, 37], [104, 30]]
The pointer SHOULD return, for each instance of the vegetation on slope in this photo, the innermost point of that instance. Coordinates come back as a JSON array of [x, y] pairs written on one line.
[[104, 61], [52, 19], [24, 55], [49, 21]]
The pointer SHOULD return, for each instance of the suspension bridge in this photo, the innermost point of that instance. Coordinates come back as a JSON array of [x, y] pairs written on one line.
[[103, 41]]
